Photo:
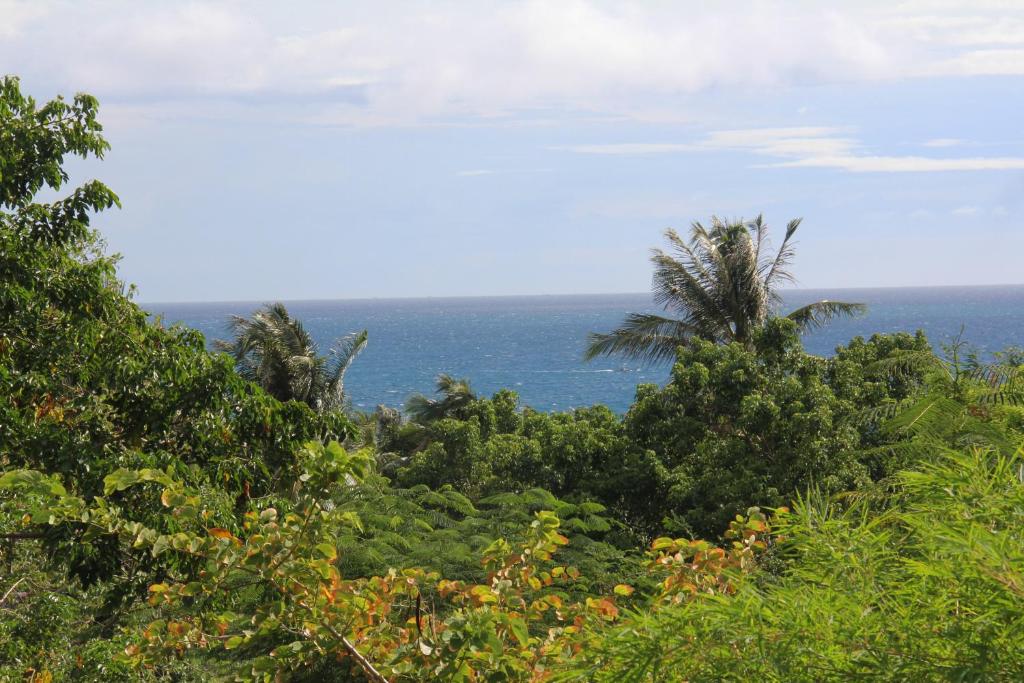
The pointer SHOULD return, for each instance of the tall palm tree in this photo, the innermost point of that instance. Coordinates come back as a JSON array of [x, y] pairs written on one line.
[[721, 285], [456, 394], [274, 350]]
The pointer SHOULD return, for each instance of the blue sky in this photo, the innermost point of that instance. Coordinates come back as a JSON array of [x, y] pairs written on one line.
[[335, 150]]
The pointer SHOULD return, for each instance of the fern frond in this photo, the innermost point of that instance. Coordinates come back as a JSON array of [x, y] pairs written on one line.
[[934, 416]]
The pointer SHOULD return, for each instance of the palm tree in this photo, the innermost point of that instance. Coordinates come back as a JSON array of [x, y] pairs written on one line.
[[721, 285], [456, 396], [274, 350]]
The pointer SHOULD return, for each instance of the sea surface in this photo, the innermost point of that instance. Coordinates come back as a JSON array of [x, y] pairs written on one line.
[[534, 344]]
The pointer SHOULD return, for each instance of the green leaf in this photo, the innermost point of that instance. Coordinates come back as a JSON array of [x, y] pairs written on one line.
[[519, 630], [328, 551], [119, 480]]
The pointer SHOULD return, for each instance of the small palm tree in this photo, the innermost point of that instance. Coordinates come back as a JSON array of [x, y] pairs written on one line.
[[274, 350], [722, 286], [456, 394]]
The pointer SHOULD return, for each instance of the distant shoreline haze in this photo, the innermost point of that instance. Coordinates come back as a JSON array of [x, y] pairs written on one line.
[[533, 344], [792, 291]]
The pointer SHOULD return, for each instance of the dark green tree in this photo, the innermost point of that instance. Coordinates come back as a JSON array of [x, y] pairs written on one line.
[[722, 285], [739, 426]]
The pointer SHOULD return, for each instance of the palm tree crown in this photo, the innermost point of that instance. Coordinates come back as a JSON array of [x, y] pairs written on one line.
[[722, 286], [456, 395], [274, 350]]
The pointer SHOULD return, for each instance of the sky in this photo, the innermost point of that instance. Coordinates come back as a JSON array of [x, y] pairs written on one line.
[[320, 150]]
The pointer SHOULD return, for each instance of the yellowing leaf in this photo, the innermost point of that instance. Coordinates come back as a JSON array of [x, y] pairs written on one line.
[[328, 551], [663, 542]]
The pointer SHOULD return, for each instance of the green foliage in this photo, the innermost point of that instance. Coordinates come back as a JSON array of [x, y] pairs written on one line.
[[739, 427], [735, 427], [579, 456], [959, 402], [520, 620], [930, 589], [88, 385]]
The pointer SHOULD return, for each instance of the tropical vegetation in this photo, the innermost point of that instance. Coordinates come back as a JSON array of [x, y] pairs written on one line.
[[170, 512]]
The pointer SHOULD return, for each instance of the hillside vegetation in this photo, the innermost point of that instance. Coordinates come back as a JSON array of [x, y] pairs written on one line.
[[168, 513]]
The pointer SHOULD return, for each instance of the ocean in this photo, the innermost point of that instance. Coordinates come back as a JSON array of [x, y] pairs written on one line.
[[534, 344]]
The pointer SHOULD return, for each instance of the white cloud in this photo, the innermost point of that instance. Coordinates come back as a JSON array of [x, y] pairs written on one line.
[[895, 164], [629, 148], [1002, 62], [811, 147], [16, 16], [965, 211], [363, 62], [943, 142]]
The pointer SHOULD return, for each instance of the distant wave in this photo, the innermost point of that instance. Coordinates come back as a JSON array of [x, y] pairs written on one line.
[[577, 371], [500, 342]]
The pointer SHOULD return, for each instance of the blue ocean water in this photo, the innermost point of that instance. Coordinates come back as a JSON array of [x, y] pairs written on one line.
[[534, 344]]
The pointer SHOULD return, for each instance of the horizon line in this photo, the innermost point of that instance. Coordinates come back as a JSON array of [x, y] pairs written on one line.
[[538, 296]]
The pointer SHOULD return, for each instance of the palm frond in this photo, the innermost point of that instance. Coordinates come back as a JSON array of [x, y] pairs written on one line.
[[276, 351], [456, 394], [820, 313], [642, 336], [775, 271], [1002, 384], [342, 354]]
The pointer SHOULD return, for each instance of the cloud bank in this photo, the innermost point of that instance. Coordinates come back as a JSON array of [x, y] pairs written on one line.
[[402, 62]]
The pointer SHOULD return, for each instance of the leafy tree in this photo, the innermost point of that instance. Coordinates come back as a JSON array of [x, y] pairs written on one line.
[[88, 384], [275, 351], [739, 426], [722, 285]]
